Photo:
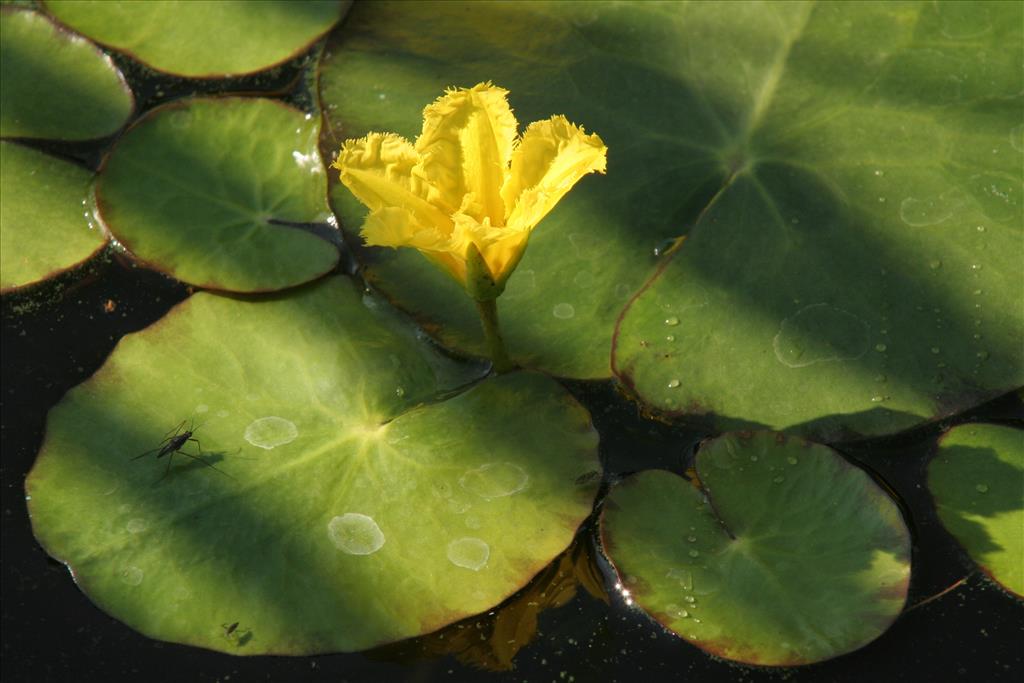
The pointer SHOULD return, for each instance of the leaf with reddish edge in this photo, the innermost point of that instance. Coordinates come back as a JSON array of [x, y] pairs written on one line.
[[216, 192], [44, 230], [783, 554], [203, 38], [56, 85], [367, 488]]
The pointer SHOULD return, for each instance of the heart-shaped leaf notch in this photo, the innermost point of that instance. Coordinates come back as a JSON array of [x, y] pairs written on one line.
[[215, 191], [778, 552]]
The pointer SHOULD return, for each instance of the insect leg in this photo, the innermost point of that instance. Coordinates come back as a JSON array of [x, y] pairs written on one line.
[[167, 470], [161, 447], [151, 450], [210, 465], [174, 430]]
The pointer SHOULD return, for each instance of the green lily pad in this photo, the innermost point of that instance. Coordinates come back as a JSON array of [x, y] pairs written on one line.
[[784, 554], [977, 481], [56, 85], [351, 506], [44, 227], [212, 192], [842, 167], [857, 273], [202, 38]]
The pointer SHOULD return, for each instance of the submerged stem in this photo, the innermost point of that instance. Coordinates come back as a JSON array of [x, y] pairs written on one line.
[[488, 311]]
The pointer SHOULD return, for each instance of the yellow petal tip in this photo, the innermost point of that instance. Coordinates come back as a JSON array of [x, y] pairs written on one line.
[[468, 179]]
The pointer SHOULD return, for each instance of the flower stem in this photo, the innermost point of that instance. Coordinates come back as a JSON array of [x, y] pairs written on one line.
[[488, 311]]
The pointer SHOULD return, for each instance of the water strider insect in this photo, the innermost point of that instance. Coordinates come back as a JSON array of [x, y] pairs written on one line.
[[174, 442], [236, 635]]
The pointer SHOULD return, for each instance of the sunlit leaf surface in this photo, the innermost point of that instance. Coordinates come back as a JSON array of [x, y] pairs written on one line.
[[56, 85], [44, 227], [216, 191], [353, 504], [202, 38], [784, 554], [977, 481]]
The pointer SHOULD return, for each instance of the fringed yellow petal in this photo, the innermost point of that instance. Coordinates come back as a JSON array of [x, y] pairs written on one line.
[[378, 169], [465, 148], [552, 156], [500, 247], [393, 227], [467, 190]]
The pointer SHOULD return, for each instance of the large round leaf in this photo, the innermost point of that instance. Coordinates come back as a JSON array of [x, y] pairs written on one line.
[[202, 38], [859, 271], [596, 247], [977, 481], [210, 190], [825, 132], [56, 85], [351, 506], [44, 225], [784, 554]]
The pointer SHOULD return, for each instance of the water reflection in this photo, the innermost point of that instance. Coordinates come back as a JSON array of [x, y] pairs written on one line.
[[491, 641]]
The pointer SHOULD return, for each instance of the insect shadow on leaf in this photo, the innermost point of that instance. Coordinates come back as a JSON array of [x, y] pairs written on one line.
[[173, 442], [235, 634]]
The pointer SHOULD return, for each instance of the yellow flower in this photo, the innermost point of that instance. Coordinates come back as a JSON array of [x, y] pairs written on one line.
[[469, 192]]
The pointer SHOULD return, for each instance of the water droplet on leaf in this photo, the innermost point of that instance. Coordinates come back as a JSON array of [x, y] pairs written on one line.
[[270, 432], [132, 575], [469, 553], [495, 480], [355, 533], [563, 311]]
